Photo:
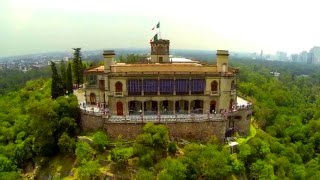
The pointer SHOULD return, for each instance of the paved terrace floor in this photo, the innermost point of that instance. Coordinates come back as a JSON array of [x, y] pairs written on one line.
[[95, 110]]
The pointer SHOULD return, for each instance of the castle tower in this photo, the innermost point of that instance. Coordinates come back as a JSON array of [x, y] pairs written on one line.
[[160, 51], [222, 60]]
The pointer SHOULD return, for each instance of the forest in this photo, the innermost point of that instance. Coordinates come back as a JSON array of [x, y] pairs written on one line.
[[38, 131]]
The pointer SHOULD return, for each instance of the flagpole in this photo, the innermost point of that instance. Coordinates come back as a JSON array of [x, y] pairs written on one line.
[[159, 31]]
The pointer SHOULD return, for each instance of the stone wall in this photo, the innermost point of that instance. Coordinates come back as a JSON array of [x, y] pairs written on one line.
[[202, 130], [243, 125], [90, 122]]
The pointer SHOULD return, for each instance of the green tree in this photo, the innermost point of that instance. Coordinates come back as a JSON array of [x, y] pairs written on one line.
[[69, 82], [143, 174], [88, 169], [57, 84], [77, 66], [100, 140], [172, 148], [83, 151], [154, 138], [173, 168], [63, 72], [6, 164], [66, 144], [120, 155], [261, 170]]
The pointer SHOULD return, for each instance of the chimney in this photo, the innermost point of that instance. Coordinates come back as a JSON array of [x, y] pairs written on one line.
[[108, 57]]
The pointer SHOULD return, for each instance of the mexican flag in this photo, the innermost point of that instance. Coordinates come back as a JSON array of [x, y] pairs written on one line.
[[157, 26], [155, 38]]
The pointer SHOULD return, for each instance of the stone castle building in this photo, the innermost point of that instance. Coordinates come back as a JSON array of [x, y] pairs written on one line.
[[167, 86]]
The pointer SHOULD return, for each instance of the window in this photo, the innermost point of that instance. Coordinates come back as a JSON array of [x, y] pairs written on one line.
[[233, 86], [166, 86], [224, 67], [197, 86], [150, 86], [134, 87], [118, 86], [214, 86], [182, 86], [91, 79]]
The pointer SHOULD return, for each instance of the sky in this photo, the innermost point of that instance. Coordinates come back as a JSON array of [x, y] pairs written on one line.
[[37, 26]]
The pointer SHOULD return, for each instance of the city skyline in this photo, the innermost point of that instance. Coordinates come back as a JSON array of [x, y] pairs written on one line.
[[34, 26]]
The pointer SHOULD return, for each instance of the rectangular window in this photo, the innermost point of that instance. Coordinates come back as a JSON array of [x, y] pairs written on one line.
[[150, 86], [166, 86], [182, 86], [134, 87], [197, 86], [91, 79]]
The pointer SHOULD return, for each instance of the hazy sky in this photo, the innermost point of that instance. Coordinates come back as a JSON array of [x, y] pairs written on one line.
[[32, 26]]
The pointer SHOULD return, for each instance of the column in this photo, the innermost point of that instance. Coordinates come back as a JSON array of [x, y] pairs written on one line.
[[142, 106], [174, 107], [158, 104], [189, 107], [142, 87], [174, 86], [189, 86], [158, 86]]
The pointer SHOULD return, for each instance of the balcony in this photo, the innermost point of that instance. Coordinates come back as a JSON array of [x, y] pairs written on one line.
[[214, 93], [118, 94], [233, 92]]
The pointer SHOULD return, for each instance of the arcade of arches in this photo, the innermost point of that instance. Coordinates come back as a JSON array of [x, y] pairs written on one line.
[[165, 107]]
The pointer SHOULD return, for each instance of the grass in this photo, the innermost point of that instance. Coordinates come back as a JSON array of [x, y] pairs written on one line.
[[59, 167], [252, 133]]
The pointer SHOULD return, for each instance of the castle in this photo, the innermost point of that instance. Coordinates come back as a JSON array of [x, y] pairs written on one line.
[[167, 86]]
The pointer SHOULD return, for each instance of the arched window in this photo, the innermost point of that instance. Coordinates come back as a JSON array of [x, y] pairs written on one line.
[[224, 67], [233, 87], [214, 86], [118, 86]]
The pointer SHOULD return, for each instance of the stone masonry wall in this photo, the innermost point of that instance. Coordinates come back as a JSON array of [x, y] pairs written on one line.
[[189, 130]]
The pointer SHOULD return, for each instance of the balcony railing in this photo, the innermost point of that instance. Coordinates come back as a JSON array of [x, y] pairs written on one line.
[[118, 94], [214, 93]]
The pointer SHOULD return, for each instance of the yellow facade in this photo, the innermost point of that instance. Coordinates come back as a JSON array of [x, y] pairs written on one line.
[[120, 101]]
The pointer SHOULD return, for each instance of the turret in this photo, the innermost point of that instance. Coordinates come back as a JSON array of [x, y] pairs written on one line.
[[108, 56], [160, 51], [222, 60]]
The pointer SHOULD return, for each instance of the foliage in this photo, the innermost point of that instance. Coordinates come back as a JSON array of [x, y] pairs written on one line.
[[66, 144], [88, 169], [120, 155], [77, 66], [14, 79], [100, 140], [172, 148], [143, 174], [69, 81], [172, 169], [83, 151], [57, 87]]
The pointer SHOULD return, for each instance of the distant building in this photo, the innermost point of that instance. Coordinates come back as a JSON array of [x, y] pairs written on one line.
[[294, 57], [57, 61], [314, 55], [303, 57], [281, 56]]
